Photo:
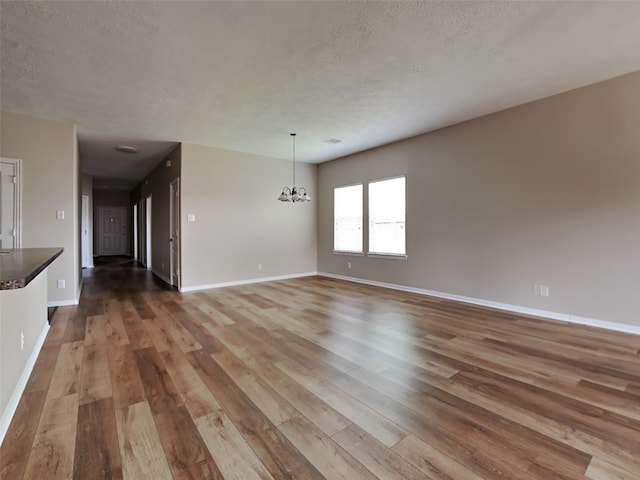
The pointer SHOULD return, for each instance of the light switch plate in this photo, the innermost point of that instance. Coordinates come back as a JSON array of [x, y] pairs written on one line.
[[60, 214], [191, 217]]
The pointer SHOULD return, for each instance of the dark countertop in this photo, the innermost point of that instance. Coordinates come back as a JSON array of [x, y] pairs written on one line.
[[21, 265]]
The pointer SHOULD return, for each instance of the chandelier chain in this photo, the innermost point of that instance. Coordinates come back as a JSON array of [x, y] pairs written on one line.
[[294, 158]]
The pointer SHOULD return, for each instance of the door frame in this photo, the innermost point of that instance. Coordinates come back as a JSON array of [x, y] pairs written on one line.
[[17, 199], [174, 225]]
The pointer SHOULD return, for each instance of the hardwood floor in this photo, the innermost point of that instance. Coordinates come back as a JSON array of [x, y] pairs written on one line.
[[318, 378]]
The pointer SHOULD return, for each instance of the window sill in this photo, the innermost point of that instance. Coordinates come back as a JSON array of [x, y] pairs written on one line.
[[390, 256], [342, 252]]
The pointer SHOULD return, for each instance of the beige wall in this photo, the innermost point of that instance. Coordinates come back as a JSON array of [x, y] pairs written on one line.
[[78, 215], [48, 150], [111, 198], [87, 185], [239, 221], [545, 193], [157, 185]]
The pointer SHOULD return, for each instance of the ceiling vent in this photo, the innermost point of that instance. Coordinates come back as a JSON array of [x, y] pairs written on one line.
[[333, 141]]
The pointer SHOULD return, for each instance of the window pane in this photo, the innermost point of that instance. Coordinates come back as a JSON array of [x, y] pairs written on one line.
[[387, 216], [347, 215]]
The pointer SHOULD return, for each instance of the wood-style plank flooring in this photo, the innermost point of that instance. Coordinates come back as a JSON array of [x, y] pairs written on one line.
[[318, 378]]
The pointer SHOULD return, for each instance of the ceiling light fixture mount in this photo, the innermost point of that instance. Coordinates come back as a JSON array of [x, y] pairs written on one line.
[[294, 194], [126, 149]]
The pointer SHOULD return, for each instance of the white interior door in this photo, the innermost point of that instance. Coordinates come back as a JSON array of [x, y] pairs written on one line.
[[9, 203], [112, 231], [174, 222]]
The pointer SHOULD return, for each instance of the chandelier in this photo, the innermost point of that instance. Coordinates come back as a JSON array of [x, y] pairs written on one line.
[[294, 194]]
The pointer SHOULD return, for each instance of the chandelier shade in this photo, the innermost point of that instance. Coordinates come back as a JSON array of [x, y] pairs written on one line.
[[294, 194]]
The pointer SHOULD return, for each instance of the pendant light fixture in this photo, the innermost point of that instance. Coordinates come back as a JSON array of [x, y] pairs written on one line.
[[294, 194]]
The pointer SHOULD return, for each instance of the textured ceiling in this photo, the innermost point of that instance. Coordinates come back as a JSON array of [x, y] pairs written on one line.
[[242, 75]]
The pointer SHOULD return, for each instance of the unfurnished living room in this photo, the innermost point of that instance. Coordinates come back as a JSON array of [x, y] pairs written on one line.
[[320, 240]]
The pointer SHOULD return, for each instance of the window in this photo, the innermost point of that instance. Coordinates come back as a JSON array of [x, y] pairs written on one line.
[[387, 217], [347, 219]]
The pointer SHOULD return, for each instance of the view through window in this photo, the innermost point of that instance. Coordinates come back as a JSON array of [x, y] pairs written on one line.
[[347, 216], [387, 217]]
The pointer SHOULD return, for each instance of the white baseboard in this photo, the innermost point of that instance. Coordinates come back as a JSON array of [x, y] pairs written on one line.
[[618, 327], [247, 282], [63, 303], [12, 405]]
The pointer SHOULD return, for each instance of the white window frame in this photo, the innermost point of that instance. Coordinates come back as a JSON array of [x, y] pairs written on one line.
[[383, 254], [361, 227]]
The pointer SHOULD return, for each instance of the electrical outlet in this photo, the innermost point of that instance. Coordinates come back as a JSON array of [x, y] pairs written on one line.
[[259, 266], [61, 283], [21, 340], [540, 290], [349, 265]]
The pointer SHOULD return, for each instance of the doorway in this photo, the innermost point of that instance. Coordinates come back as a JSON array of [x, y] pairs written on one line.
[[135, 232], [113, 235], [174, 225], [10, 202], [144, 231], [87, 255]]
